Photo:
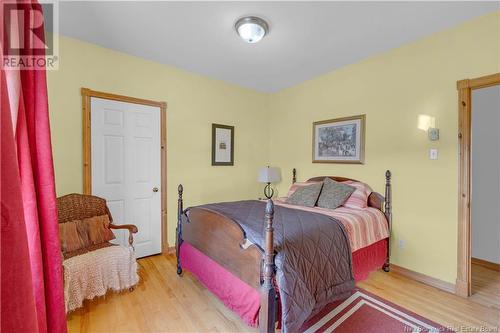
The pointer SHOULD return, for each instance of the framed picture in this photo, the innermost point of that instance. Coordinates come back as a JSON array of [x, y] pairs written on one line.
[[339, 140], [222, 145]]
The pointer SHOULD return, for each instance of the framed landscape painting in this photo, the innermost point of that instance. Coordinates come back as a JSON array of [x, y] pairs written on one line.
[[339, 140], [222, 145]]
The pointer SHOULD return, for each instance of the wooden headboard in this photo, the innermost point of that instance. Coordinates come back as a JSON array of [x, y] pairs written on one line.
[[337, 179], [375, 200], [320, 178]]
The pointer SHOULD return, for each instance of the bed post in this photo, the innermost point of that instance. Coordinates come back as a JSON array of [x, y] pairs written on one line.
[[267, 311], [294, 176], [178, 230], [388, 215]]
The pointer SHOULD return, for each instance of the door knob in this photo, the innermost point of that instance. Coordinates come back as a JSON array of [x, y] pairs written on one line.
[[155, 189]]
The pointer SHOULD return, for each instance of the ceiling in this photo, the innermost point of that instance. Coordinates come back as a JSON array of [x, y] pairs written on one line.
[[306, 39]]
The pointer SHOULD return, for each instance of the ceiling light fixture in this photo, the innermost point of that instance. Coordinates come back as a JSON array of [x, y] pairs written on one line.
[[251, 29]]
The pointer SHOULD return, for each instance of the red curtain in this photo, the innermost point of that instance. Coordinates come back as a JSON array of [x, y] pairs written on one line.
[[27, 171]]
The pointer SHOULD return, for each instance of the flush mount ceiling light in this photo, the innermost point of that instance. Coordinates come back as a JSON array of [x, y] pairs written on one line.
[[251, 29]]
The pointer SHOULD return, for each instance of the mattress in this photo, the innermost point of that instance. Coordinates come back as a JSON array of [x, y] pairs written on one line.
[[364, 226]]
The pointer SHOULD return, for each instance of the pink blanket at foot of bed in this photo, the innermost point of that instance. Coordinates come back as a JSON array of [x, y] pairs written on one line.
[[243, 299], [234, 293]]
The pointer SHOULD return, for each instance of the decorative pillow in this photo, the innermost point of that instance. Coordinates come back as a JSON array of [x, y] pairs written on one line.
[[359, 198], [82, 229], [295, 186], [98, 229], [71, 237], [334, 194], [305, 195]]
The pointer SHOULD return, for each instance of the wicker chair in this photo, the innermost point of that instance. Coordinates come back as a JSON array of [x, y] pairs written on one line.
[[73, 207], [80, 206]]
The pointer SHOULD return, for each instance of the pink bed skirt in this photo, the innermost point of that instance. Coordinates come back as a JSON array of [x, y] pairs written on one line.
[[243, 299]]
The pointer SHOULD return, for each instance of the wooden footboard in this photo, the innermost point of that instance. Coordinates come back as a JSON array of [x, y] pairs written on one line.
[[223, 240]]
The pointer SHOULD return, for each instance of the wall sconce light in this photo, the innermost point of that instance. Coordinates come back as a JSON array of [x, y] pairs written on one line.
[[428, 124]]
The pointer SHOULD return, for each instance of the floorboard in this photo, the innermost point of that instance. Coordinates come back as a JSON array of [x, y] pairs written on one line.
[[164, 302], [486, 286]]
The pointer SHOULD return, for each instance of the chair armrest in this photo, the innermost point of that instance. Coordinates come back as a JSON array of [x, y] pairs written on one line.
[[132, 229]]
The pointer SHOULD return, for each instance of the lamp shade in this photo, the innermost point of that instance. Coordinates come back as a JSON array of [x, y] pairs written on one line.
[[269, 175]]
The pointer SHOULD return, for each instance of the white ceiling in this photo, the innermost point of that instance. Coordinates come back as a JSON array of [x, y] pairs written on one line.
[[306, 39]]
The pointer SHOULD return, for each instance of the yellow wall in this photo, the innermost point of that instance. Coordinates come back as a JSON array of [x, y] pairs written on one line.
[[392, 89], [194, 103]]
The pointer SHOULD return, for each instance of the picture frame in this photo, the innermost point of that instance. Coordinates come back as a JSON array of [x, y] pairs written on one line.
[[340, 140], [222, 145]]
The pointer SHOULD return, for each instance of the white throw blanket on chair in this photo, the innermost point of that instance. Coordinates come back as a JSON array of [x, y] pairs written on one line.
[[94, 273]]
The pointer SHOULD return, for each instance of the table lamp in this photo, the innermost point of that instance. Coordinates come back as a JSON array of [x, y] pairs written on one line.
[[269, 175]]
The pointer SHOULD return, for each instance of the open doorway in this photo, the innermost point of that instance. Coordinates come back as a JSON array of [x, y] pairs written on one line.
[[485, 199], [479, 190]]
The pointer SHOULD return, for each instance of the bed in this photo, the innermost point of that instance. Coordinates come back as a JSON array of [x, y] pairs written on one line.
[[214, 243]]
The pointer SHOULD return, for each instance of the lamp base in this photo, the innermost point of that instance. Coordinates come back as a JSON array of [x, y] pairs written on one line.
[[268, 191]]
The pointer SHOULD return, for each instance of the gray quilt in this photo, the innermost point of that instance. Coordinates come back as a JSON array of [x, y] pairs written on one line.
[[313, 260]]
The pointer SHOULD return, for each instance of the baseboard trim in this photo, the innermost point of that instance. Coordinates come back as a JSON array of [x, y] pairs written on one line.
[[462, 288], [486, 264], [433, 282], [168, 249]]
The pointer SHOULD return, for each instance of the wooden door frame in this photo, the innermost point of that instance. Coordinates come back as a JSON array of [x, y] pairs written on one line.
[[87, 94], [465, 88]]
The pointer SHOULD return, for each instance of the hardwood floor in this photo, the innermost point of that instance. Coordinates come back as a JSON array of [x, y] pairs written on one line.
[[164, 302], [485, 286]]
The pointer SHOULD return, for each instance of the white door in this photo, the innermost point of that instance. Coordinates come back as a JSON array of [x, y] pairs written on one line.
[[126, 168]]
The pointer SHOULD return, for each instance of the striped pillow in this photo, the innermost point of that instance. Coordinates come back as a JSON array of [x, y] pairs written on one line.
[[359, 199], [295, 186]]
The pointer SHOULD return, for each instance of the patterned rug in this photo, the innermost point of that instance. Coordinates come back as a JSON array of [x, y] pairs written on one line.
[[367, 313]]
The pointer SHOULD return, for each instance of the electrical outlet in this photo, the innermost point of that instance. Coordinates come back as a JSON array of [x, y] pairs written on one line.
[[401, 243]]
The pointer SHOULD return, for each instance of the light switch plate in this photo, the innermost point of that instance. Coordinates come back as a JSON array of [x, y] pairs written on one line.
[[433, 154]]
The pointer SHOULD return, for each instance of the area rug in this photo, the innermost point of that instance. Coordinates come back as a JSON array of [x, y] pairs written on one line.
[[367, 313]]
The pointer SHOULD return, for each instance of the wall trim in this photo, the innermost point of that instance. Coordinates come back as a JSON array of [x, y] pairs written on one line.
[[87, 94], [169, 250], [485, 263], [426, 279], [465, 88]]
